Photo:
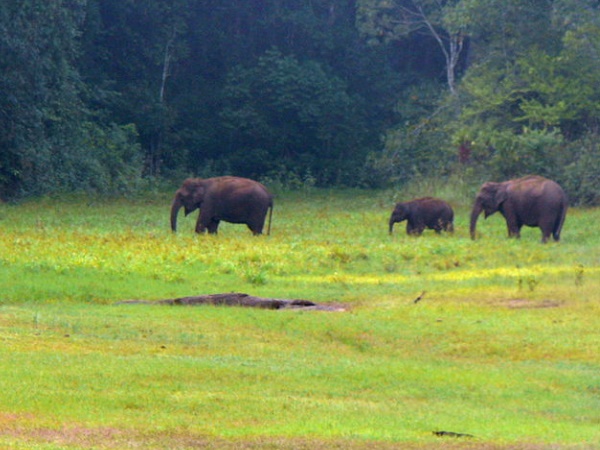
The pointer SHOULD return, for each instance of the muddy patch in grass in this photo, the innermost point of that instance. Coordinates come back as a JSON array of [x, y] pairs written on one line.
[[522, 303]]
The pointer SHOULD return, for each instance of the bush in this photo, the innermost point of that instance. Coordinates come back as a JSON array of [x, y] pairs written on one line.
[[581, 177], [105, 161], [285, 111], [419, 146], [536, 152]]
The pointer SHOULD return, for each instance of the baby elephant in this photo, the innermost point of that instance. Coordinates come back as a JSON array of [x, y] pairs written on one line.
[[421, 213]]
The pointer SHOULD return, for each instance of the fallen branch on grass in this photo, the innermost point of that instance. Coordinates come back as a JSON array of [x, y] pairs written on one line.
[[238, 299]]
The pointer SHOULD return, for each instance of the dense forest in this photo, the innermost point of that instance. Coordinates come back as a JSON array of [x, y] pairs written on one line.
[[109, 96]]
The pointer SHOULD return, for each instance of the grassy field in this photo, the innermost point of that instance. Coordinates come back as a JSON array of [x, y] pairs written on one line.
[[503, 345]]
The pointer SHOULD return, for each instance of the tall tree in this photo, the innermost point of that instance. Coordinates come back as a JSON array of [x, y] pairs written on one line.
[[137, 45], [283, 113], [530, 101], [392, 20], [40, 105], [546, 78]]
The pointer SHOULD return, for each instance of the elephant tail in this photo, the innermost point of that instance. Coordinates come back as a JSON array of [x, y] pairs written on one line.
[[559, 223], [270, 217]]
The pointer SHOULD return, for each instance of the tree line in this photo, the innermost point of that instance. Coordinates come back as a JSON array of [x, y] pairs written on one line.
[[107, 96]]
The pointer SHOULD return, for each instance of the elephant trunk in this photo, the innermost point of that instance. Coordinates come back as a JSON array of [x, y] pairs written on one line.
[[477, 208], [392, 222], [174, 210]]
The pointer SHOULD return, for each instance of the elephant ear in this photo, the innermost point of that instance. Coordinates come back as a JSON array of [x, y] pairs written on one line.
[[491, 196], [501, 195], [199, 195], [403, 211], [191, 196]]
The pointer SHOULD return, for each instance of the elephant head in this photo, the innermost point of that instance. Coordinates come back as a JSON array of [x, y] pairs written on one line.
[[489, 200], [399, 214], [189, 196]]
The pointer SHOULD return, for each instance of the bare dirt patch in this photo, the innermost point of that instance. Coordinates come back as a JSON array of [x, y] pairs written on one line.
[[521, 303]]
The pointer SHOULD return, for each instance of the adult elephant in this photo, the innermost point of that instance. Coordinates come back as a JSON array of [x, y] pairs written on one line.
[[232, 199], [421, 213], [532, 200]]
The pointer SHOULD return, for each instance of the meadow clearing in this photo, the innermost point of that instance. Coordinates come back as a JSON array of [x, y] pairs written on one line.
[[503, 345]]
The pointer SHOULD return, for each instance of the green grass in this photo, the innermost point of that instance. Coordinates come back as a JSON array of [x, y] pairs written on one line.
[[503, 345]]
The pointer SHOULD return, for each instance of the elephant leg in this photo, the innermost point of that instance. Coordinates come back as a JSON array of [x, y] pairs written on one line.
[[552, 226], [513, 225], [546, 231], [512, 228], [556, 235], [256, 225], [200, 227], [252, 228], [514, 231], [213, 226], [556, 230], [413, 229], [256, 229]]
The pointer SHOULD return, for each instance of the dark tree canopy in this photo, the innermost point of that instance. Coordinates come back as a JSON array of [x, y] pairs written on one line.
[[100, 95]]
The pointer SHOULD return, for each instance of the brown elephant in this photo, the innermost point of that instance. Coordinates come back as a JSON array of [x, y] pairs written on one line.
[[421, 213], [532, 200], [232, 199]]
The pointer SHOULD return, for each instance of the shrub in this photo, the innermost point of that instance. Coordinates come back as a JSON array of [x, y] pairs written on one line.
[[507, 154], [106, 161], [580, 178]]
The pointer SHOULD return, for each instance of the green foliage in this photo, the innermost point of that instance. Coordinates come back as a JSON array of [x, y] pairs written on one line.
[[114, 160], [130, 50], [39, 91], [293, 88], [418, 147], [505, 154], [502, 30], [281, 179], [527, 110], [285, 112], [580, 176], [398, 20], [538, 92], [49, 141]]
